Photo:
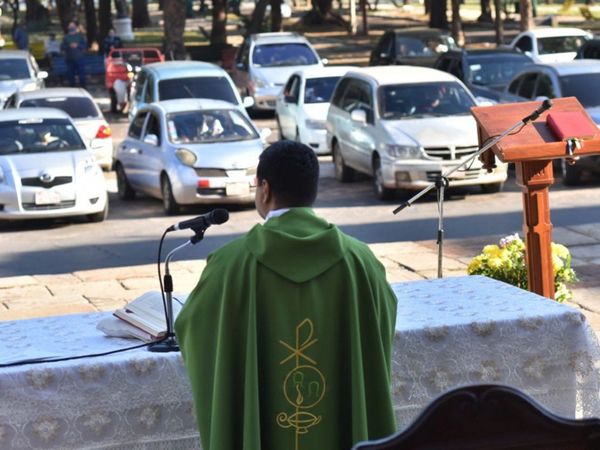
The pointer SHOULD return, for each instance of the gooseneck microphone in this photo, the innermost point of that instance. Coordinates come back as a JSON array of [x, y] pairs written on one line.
[[546, 105], [215, 217]]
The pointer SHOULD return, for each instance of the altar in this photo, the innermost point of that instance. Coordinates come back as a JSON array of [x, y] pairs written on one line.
[[449, 332]]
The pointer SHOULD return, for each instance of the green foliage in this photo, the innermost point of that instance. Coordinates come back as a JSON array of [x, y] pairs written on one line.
[[506, 262]]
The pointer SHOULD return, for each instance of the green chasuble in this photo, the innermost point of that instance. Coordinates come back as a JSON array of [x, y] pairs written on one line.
[[287, 340]]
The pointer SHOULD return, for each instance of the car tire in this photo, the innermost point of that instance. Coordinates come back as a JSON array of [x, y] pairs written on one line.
[[343, 173], [124, 189], [170, 205], [492, 188], [114, 107], [99, 216], [381, 192], [571, 174]]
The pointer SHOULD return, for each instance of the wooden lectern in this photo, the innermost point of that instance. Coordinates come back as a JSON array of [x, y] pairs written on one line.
[[532, 149]]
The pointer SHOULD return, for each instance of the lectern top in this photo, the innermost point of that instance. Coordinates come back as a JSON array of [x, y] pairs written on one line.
[[535, 141]]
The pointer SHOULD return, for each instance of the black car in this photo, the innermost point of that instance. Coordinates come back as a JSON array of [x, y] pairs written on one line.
[[589, 50], [485, 71], [411, 46]]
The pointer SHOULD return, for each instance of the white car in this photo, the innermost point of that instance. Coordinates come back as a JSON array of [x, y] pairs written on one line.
[[265, 61], [191, 151], [84, 111], [19, 72], [301, 108], [46, 170], [545, 45], [405, 126]]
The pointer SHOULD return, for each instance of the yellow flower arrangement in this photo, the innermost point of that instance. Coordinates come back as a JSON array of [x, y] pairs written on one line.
[[506, 262]]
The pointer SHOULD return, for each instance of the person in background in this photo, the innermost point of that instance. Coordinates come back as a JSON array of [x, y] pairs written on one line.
[[74, 46], [51, 46], [287, 337], [20, 36], [111, 41]]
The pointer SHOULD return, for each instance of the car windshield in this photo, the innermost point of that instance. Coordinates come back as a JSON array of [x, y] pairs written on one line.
[[38, 136], [319, 90], [495, 70], [14, 69], [584, 87], [216, 125], [409, 46], [278, 55], [560, 44], [76, 107], [215, 88], [412, 101]]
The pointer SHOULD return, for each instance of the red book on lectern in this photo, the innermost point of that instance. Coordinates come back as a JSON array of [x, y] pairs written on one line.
[[571, 124]]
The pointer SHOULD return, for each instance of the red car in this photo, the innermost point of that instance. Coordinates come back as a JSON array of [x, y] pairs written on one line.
[[122, 64]]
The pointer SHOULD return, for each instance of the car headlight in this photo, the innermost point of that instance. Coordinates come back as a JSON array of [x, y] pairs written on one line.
[[186, 157], [403, 151], [315, 124], [260, 83]]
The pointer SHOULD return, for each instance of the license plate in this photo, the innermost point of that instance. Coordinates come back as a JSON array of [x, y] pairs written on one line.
[[47, 198], [235, 189]]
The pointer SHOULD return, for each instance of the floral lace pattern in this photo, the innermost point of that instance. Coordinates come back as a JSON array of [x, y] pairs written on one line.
[[449, 332]]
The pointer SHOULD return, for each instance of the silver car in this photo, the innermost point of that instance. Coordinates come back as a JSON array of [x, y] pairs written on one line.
[[191, 151], [46, 170], [19, 72], [84, 111]]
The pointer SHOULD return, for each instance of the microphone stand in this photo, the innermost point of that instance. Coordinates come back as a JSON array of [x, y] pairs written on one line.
[[442, 181], [169, 343]]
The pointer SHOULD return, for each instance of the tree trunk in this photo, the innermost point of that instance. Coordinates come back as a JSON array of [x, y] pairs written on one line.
[[438, 17], [498, 24], [276, 19], [91, 29], [66, 10], [457, 32], [365, 24], [526, 15], [122, 9], [218, 34], [257, 18], [174, 26], [486, 12], [36, 12], [139, 16], [104, 19]]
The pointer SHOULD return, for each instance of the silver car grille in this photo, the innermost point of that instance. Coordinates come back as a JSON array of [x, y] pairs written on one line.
[[220, 173], [61, 205], [450, 153], [36, 182]]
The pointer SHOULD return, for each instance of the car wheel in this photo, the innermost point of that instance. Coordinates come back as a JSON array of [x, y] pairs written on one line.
[[114, 107], [571, 174], [342, 172], [381, 192], [169, 203], [124, 189], [99, 216], [492, 188]]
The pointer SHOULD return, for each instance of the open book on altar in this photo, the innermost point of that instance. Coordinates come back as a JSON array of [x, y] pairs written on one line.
[[147, 313]]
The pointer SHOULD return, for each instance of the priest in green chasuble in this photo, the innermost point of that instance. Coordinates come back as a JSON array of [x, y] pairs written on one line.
[[287, 337]]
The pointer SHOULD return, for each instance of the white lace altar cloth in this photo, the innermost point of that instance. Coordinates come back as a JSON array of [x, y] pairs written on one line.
[[449, 333], [471, 330]]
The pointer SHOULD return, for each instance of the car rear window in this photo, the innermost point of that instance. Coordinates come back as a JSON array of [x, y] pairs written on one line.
[[280, 55], [319, 90], [76, 107], [410, 46], [38, 136], [215, 88], [494, 69], [14, 69], [560, 44], [584, 87]]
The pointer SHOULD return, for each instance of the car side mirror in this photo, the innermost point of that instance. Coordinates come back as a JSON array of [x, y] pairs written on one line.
[[325, 61], [289, 99], [248, 102], [240, 66], [541, 98], [359, 116], [42, 75], [384, 55], [265, 133], [151, 139]]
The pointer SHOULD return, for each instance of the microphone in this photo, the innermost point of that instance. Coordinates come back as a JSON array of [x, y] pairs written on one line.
[[546, 105], [215, 217]]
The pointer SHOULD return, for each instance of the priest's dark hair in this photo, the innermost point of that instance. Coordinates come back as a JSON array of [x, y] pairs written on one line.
[[292, 170]]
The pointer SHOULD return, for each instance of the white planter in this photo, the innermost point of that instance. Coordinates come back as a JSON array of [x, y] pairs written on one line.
[[123, 29]]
